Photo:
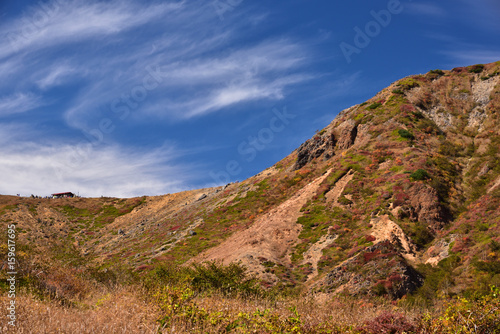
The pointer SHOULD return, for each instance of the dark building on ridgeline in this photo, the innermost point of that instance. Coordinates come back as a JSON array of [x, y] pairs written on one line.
[[63, 195]]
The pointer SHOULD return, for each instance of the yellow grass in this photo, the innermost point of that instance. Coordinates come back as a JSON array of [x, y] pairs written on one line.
[[122, 311], [126, 310]]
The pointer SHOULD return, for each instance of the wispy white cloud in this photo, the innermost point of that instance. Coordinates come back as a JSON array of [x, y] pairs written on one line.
[[19, 103], [246, 90], [462, 55], [74, 21], [92, 171], [55, 75], [197, 78], [198, 84], [89, 54], [480, 14], [427, 9]]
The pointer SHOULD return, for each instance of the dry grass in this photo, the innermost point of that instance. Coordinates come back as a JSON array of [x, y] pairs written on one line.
[[335, 315], [338, 310], [125, 310], [121, 311]]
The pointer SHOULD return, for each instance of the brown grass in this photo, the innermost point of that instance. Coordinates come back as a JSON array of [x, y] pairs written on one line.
[[121, 311], [126, 310]]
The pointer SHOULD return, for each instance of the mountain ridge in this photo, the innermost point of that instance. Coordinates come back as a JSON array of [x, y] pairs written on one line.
[[398, 196]]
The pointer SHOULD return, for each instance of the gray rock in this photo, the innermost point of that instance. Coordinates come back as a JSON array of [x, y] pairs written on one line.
[[483, 170]]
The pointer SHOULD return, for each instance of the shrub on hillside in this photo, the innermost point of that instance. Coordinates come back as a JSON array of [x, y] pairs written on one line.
[[407, 108], [476, 68], [435, 74], [388, 322], [206, 277], [438, 72], [374, 105], [492, 267], [228, 280], [406, 134], [419, 175], [421, 235]]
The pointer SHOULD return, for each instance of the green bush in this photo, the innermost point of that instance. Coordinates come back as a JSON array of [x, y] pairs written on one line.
[[421, 235], [406, 134], [419, 175], [492, 267], [494, 246], [407, 84], [229, 279], [476, 68], [438, 280], [374, 105], [206, 277], [438, 72], [344, 201]]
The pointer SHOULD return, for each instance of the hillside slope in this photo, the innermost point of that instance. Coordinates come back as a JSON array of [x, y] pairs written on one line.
[[399, 193]]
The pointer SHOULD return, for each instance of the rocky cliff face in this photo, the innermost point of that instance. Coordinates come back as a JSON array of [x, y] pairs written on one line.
[[327, 143]]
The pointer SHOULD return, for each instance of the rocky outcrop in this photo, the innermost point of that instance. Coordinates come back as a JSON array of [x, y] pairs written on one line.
[[477, 118], [314, 148], [481, 90], [347, 132], [439, 250], [378, 269], [341, 138], [423, 205]]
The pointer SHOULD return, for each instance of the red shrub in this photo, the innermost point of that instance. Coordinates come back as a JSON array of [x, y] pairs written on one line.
[[407, 108], [353, 251], [368, 256], [144, 267], [370, 238], [387, 322], [395, 278], [399, 199], [459, 70]]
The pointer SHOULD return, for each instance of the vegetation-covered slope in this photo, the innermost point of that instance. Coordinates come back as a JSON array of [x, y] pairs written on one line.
[[397, 199]]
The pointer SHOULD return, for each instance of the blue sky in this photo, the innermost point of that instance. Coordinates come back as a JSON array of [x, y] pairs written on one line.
[[130, 98]]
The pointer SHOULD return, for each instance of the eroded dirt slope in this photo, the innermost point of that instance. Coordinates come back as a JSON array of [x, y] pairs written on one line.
[[271, 236]]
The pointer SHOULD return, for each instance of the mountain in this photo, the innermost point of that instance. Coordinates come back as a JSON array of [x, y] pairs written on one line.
[[398, 197]]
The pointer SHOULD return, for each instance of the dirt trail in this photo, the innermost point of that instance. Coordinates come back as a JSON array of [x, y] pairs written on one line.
[[271, 236], [314, 254], [334, 194], [496, 184]]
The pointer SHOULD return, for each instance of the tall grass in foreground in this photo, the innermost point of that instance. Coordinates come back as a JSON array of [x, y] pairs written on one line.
[[220, 299], [123, 310]]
